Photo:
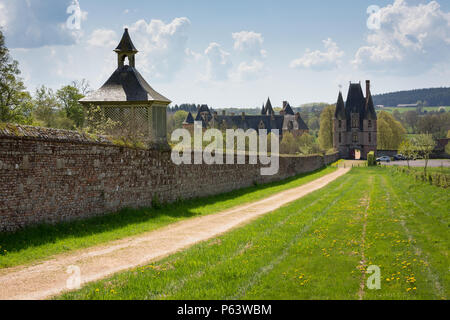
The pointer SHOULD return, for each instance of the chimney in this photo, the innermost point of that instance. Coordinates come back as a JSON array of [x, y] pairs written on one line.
[[367, 88], [297, 116], [224, 113], [243, 115], [232, 114]]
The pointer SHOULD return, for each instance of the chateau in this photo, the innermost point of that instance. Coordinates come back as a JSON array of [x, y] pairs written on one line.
[[355, 123], [286, 121]]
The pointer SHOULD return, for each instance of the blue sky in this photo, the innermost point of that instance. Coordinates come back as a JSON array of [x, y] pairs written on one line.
[[236, 53]]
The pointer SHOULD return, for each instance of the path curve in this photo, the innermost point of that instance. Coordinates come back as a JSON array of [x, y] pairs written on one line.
[[49, 278]]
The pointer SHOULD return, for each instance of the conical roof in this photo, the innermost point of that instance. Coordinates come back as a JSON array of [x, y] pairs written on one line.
[[189, 119], [340, 108], [269, 109], [288, 110], [370, 108], [126, 45], [125, 86]]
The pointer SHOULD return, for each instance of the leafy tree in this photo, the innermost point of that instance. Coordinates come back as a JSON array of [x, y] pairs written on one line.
[[288, 144], [424, 144], [390, 132], [408, 150], [326, 128], [48, 110], [68, 97], [175, 121], [308, 145], [15, 103]]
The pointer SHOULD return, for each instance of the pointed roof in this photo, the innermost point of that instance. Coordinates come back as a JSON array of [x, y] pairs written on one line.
[[204, 108], [263, 111], [189, 119], [288, 110], [269, 109], [355, 99], [126, 45], [340, 108], [125, 86], [370, 108]]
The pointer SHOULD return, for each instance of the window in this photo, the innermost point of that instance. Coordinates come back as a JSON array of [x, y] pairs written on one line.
[[340, 124], [340, 137], [261, 125], [370, 123], [355, 121], [370, 136], [355, 137]]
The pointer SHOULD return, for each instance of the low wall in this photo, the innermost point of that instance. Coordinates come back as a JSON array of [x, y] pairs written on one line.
[[50, 176]]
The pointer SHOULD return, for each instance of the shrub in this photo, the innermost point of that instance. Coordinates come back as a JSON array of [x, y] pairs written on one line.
[[371, 161]]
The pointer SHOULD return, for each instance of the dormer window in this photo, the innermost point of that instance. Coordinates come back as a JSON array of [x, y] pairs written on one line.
[[261, 126]]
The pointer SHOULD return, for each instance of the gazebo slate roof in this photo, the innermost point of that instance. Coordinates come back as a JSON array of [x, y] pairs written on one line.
[[126, 45], [125, 86]]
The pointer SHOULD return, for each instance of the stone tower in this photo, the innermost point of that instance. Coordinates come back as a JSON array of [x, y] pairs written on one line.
[[355, 123]]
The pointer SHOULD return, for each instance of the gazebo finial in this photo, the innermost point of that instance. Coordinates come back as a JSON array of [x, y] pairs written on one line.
[[126, 49]]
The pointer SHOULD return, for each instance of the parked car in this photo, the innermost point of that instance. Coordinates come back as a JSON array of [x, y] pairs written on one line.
[[384, 159], [399, 157]]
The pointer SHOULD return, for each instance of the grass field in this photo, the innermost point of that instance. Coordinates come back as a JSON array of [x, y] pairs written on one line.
[[37, 243], [402, 110], [318, 247]]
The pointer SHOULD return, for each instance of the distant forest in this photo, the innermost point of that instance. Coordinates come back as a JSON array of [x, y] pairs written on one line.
[[433, 97]]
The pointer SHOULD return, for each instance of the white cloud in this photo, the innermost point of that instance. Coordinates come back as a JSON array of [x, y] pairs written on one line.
[[319, 60], [103, 38], [219, 64], [250, 71], [37, 23], [411, 39], [249, 42], [162, 46]]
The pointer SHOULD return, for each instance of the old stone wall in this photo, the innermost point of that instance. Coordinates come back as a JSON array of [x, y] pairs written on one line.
[[50, 176]]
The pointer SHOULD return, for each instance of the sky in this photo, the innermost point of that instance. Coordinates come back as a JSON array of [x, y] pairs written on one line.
[[235, 53]]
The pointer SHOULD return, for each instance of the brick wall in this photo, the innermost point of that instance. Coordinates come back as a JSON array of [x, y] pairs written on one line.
[[49, 176]]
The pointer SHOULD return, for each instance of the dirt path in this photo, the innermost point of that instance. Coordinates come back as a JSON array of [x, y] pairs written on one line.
[[49, 278]]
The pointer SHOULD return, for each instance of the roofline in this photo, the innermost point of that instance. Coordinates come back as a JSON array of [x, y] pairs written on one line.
[[124, 103]]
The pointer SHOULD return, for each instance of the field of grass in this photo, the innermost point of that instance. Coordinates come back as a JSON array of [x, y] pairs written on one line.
[[37, 243], [318, 247], [402, 110]]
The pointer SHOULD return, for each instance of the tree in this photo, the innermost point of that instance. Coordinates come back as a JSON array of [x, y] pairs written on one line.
[[390, 132], [424, 144], [307, 144], [326, 128], [68, 97], [175, 121], [411, 118], [408, 150], [48, 110], [288, 144], [15, 103]]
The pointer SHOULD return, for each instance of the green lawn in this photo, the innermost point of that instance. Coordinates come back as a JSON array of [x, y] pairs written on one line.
[[37, 243], [315, 248]]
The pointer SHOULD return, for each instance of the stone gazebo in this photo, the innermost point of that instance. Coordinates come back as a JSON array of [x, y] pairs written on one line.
[[126, 106]]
